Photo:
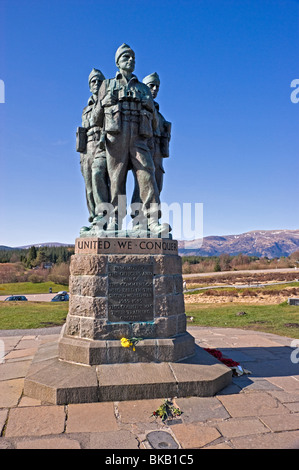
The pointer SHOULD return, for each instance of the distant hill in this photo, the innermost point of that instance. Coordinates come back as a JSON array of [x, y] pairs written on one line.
[[269, 243], [37, 245]]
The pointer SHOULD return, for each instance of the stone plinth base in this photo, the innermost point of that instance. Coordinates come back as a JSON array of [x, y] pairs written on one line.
[[125, 288], [96, 352], [58, 382]]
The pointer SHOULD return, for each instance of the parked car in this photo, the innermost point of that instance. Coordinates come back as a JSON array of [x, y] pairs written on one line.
[[16, 297], [60, 297]]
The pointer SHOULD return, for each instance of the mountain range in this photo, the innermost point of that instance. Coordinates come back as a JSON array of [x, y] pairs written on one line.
[[37, 245], [269, 243]]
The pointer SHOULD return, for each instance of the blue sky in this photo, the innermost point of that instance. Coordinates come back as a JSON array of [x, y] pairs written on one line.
[[225, 66]]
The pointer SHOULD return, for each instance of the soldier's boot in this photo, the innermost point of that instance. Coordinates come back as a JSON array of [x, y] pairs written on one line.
[[160, 230], [112, 225], [100, 221]]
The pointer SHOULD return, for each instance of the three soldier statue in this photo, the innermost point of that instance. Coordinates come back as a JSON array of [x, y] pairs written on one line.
[[122, 130]]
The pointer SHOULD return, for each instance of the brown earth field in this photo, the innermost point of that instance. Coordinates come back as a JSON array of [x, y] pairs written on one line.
[[253, 295]]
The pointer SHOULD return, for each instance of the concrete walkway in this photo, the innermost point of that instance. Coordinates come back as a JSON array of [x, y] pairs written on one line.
[[260, 410]]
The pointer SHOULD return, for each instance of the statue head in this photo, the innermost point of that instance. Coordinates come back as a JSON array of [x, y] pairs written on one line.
[[95, 80], [153, 82], [125, 58]]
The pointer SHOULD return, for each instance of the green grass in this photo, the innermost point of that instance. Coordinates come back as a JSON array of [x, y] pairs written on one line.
[[30, 288], [239, 290], [266, 318], [25, 315]]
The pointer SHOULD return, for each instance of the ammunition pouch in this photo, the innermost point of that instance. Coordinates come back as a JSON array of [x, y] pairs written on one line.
[[113, 119], [164, 139], [145, 123], [81, 139]]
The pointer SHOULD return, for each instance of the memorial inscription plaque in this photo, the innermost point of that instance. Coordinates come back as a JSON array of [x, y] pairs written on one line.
[[130, 292]]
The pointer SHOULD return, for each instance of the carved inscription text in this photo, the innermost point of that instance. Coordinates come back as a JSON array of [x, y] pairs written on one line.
[[130, 292]]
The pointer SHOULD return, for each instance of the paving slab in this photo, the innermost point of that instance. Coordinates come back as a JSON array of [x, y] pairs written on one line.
[[60, 442], [91, 417], [20, 353], [26, 343], [280, 440], [194, 436], [241, 427], [37, 421], [137, 411], [252, 404], [10, 392], [276, 423], [201, 409], [289, 384], [221, 446], [14, 370], [285, 397], [294, 407], [121, 439], [251, 383], [3, 416], [10, 342]]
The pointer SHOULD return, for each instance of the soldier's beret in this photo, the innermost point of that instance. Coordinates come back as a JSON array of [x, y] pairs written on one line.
[[121, 50], [95, 73], [152, 78]]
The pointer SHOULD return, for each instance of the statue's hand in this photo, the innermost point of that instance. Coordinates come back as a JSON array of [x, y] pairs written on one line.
[[109, 100]]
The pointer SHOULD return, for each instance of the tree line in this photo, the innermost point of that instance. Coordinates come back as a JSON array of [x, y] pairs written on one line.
[[241, 261], [37, 256]]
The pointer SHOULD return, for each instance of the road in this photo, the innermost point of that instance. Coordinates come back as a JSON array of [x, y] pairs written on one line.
[[33, 297], [248, 271], [48, 297]]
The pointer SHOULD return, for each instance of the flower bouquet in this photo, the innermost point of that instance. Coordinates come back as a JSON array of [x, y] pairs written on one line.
[[167, 411], [128, 342]]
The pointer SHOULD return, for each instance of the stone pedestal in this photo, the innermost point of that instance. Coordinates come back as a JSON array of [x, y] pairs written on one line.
[[125, 288], [121, 287]]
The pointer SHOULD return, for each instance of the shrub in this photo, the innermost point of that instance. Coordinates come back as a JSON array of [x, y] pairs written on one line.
[[60, 273]]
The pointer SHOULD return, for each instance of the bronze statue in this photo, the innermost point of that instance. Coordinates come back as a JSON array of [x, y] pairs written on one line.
[[93, 159], [127, 118], [159, 142]]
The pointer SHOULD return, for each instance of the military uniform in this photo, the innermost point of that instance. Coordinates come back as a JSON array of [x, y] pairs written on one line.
[[158, 144], [93, 162], [128, 126]]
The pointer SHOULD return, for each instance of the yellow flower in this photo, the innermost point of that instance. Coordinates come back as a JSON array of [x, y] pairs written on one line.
[[126, 343]]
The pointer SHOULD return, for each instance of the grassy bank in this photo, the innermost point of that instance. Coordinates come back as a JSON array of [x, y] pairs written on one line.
[[18, 288], [25, 315], [266, 318], [259, 289]]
